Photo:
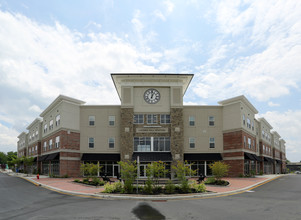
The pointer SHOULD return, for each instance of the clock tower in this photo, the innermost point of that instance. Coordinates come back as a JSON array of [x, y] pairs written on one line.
[[151, 115]]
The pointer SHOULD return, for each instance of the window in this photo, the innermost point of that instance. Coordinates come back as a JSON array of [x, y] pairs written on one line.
[[57, 142], [248, 123], [211, 142], [211, 120], [252, 125], [91, 120], [138, 119], [111, 142], [91, 142], [161, 143], [45, 128], [165, 119], [112, 120], [142, 144], [29, 151], [191, 120], [262, 134], [191, 143], [263, 149], [37, 133], [245, 140], [50, 125], [50, 144], [243, 119], [148, 144], [57, 120], [45, 146], [36, 150], [152, 119], [249, 143]]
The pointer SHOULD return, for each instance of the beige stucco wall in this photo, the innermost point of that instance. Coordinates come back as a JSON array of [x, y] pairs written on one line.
[[37, 126], [202, 131], [101, 131], [69, 118], [265, 127], [231, 117]]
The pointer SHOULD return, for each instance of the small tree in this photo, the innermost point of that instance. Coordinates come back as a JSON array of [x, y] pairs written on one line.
[[28, 162], [154, 171], [90, 169], [128, 171], [182, 170], [219, 170]]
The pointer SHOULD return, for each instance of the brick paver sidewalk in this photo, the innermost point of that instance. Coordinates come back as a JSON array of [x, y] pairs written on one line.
[[236, 184], [68, 184]]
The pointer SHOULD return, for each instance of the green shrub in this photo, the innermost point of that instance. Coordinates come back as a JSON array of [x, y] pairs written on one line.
[[109, 188], [114, 187], [157, 189], [101, 183], [128, 170], [219, 169], [182, 170], [170, 187], [77, 181], [199, 188], [210, 180], [240, 175], [148, 187], [260, 173], [119, 187], [95, 181], [86, 180]]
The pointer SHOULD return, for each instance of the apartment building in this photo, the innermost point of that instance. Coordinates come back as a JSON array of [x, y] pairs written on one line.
[[152, 124]]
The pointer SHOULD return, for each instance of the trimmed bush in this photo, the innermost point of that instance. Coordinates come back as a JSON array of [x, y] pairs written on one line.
[[170, 187], [199, 188]]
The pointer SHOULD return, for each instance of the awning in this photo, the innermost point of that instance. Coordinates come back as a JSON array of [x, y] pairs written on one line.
[[278, 161], [152, 156], [35, 159], [249, 156], [42, 158], [54, 156], [101, 157], [256, 157], [204, 156], [268, 159]]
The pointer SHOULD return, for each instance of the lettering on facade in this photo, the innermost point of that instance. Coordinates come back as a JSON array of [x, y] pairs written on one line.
[[151, 130]]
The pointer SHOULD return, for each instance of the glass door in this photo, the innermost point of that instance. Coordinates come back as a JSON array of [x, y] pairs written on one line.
[[142, 170], [116, 171]]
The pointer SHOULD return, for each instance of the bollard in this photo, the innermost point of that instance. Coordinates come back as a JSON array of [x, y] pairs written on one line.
[[38, 176]]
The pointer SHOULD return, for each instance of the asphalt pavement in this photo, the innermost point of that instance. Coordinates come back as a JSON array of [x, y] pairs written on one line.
[[277, 199]]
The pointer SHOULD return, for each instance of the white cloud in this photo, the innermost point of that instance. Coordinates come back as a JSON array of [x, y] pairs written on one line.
[[288, 126], [258, 51], [35, 109], [169, 6], [272, 104], [38, 62], [157, 13], [8, 139]]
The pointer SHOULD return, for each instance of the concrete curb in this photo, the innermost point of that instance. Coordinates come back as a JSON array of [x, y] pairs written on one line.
[[148, 198]]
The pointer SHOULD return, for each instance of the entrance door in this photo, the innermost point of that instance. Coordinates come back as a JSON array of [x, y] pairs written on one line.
[[116, 171], [142, 170]]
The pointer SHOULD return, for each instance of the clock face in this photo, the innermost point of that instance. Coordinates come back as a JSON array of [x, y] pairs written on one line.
[[152, 96]]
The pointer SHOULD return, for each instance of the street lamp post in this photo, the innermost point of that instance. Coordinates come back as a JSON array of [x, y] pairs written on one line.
[[138, 168]]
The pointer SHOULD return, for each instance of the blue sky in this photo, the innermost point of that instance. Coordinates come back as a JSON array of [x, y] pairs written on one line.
[[233, 47]]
